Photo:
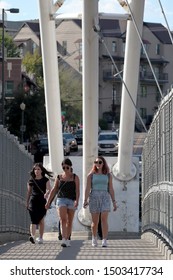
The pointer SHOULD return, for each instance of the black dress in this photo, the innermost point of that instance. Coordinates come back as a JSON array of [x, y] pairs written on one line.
[[37, 201]]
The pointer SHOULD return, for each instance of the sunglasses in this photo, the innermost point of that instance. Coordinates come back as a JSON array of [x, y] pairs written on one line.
[[98, 162], [65, 167]]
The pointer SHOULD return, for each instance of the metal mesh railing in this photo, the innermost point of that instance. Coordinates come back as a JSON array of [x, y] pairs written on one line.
[[157, 173], [15, 164]]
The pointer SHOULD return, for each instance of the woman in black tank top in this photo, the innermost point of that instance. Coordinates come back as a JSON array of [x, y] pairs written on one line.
[[67, 189]]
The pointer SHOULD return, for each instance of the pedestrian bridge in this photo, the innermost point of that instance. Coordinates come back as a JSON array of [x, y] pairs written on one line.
[[119, 248], [153, 240], [150, 238]]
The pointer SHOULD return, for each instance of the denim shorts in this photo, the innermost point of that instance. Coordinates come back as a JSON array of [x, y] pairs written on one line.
[[69, 203]]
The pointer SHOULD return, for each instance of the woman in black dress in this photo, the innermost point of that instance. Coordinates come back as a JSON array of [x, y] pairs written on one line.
[[38, 189]]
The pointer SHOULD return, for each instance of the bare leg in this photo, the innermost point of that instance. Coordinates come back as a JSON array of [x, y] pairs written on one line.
[[70, 214], [104, 223], [33, 229], [94, 224], [62, 212], [41, 228]]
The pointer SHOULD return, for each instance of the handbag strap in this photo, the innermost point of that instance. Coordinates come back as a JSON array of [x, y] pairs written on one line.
[[59, 190], [74, 175], [37, 185]]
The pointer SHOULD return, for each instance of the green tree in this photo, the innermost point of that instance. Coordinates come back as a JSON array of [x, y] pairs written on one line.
[[70, 85], [11, 49], [33, 66], [71, 94], [34, 114]]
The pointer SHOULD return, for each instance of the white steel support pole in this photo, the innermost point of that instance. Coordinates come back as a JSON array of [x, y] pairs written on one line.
[[124, 169], [51, 84], [90, 92]]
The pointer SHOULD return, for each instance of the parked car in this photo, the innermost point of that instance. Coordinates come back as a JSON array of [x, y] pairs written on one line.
[[107, 143], [39, 148], [71, 140], [66, 147], [79, 136]]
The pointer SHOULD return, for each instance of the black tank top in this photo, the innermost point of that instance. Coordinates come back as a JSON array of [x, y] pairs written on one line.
[[67, 189]]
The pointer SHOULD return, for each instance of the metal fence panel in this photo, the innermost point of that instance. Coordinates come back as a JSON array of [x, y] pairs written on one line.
[[157, 173], [15, 164]]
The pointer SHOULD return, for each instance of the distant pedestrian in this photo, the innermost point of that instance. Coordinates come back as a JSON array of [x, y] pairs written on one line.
[[99, 190], [67, 191], [38, 188]]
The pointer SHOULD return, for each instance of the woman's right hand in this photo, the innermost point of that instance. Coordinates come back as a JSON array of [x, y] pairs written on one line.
[[85, 204], [47, 206]]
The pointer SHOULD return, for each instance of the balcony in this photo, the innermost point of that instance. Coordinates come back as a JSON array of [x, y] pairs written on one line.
[[148, 77], [107, 76]]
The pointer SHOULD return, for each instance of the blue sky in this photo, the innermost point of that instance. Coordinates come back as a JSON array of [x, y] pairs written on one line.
[[152, 13]]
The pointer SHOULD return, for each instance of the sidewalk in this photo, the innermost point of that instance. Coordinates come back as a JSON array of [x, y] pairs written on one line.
[[118, 249]]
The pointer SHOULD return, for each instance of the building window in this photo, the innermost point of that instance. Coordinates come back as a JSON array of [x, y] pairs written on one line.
[[64, 48], [80, 48], [114, 47], [34, 47], [9, 88], [124, 46], [80, 65], [157, 72], [143, 113], [143, 71], [21, 52], [143, 91], [157, 48]]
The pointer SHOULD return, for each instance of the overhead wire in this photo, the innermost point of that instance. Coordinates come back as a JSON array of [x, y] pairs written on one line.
[[169, 31]]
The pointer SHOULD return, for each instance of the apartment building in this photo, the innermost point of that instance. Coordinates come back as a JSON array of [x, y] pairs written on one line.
[[152, 80], [158, 46]]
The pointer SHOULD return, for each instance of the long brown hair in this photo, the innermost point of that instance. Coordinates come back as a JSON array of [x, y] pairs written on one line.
[[44, 171], [105, 167]]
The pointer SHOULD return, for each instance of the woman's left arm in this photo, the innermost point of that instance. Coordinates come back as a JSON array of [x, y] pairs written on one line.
[[77, 182], [111, 191], [48, 189]]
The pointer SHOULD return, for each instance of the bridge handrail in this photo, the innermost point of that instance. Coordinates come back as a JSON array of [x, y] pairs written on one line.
[[15, 164], [157, 173]]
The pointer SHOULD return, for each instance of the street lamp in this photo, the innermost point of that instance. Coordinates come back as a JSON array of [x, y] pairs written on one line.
[[13, 10], [22, 127]]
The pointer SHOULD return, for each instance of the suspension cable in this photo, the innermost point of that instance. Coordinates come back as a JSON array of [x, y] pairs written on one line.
[[118, 73], [138, 33], [170, 35]]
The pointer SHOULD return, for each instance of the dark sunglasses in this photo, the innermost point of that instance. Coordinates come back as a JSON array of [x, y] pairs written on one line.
[[98, 162], [65, 167]]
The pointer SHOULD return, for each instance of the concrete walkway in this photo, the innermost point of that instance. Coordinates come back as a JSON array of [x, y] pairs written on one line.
[[118, 249]]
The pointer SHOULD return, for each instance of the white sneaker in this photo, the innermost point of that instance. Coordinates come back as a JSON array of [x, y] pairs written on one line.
[[94, 242], [68, 244], [104, 243], [39, 240], [64, 242]]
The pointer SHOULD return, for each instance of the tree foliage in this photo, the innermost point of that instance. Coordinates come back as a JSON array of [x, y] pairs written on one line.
[[11, 49], [34, 114], [71, 94], [33, 67]]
